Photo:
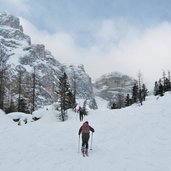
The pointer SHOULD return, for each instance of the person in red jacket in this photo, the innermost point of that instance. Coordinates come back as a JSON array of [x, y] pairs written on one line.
[[85, 130]]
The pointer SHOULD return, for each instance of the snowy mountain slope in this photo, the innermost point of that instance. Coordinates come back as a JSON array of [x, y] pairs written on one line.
[[109, 85], [82, 84], [19, 55], [136, 138], [78, 77]]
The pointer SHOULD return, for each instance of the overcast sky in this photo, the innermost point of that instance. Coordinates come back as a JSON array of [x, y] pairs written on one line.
[[127, 36]]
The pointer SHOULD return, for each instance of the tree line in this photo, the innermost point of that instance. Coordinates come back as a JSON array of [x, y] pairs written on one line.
[[137, 95], [139, 92], [20, 90], [163, 85]]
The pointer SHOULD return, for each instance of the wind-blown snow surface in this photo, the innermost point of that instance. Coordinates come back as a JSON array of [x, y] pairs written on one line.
[[136, 138]]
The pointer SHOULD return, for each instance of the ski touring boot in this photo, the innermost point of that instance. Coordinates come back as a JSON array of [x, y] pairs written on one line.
[[83, 150], [86, 152]]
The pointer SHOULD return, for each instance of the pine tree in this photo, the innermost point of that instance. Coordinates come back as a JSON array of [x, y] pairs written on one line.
[[144, 92], [161, 89], [70, 99], [113, 106], [127, 100], [135, 93], [156, 88], [23, 106], [169, 80], [65, 96], [166, 85], [140, 95]]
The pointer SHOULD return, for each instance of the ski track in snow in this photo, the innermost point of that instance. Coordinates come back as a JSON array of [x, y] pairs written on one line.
[[135, 138]]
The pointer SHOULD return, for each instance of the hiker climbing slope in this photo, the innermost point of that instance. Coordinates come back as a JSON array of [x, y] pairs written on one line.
[[85, 130]]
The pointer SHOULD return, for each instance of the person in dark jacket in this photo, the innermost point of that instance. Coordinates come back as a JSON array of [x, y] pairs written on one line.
[[81, 113], [85, 131]]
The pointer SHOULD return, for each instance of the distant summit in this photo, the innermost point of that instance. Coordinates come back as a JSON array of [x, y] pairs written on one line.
[[10, 21], [108, 85]]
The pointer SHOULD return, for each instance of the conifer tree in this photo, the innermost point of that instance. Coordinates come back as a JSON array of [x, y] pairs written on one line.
[[156, 88], [169, 80], [161, 89], [140, 96], [12, 107], [135, 93], [65, 96], [144, 92], [23, 106], [113, 106], [127, 100]]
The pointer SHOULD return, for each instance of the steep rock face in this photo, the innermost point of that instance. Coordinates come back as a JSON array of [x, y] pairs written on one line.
[[22, 60], [11, 30], [81, 83], [109, 85], [80, 80], [9, 20]]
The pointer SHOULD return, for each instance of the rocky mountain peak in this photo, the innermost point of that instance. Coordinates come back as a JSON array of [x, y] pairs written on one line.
[[81, 80], [10, 20], [23, 59], [108, 85], [11, 30]]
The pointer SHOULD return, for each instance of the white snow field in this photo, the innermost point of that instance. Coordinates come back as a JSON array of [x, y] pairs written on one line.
[[136, 138]]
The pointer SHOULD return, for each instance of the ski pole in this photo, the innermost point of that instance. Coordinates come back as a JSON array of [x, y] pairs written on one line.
[[91, 141], [78, 143]]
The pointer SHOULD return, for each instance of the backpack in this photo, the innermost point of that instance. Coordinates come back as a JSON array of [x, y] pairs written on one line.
[[85, 128]]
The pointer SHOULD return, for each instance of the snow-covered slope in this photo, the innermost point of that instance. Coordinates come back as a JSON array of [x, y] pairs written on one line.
[[136, 138]]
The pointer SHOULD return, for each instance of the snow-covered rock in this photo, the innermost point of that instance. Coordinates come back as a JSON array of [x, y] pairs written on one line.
[[108, 85], [23, 59]]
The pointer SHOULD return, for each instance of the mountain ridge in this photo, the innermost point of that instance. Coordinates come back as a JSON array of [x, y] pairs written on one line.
[[110, 84], [19, 54]]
